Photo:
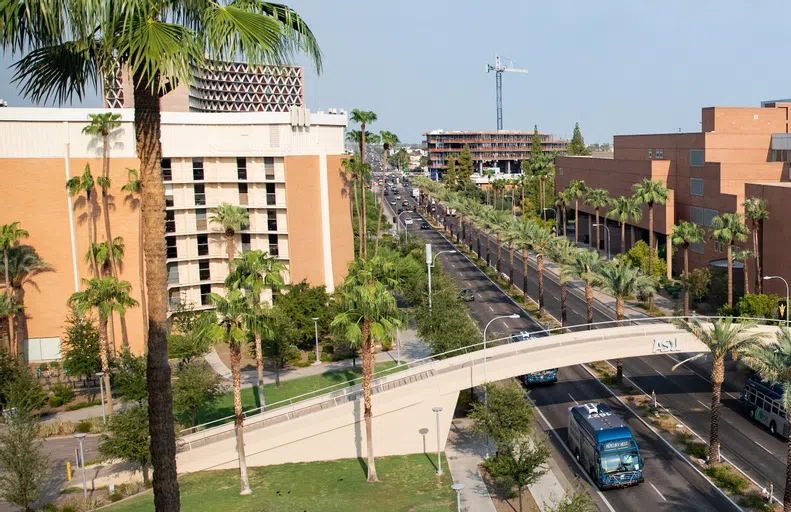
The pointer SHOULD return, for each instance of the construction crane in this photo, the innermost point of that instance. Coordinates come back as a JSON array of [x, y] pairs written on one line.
[[498, 69]]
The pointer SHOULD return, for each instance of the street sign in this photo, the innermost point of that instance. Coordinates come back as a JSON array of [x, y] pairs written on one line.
[[782, 309]]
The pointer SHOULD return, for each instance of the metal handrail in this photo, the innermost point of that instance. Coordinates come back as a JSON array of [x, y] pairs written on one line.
[[420, 365]]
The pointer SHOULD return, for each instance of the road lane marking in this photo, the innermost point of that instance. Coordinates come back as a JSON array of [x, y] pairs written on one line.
[[491, 309], [657, 491], [573, 399], [704, 405], [571, 456], [764, 447], [453, 265]]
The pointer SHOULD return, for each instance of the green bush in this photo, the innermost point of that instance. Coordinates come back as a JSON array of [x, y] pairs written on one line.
[[83, 427], [43, 367], [757, 306], [725, 478], [54, 402], [674, 289], [638, 257], [49, 507], [387, 345], [699, 281], [115, 497], [693, 448], [755, 501], [83, 405], [63, 393]]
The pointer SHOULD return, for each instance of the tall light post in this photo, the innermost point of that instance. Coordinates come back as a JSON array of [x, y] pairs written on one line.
[[608, 236], [316, 331], [406, 228], [485, 378], [430, 261], [438, 410], [458, 488], [101, 391], [81, 437], [767, 278]]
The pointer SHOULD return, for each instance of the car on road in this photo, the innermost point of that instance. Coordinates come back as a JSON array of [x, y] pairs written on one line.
[[405, 203], [517, 336], [424, 225], [466, 295], [398, 196], [408, 222], [393, 202]]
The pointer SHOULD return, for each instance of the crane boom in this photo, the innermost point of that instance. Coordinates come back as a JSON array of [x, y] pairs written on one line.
[[499, 69]]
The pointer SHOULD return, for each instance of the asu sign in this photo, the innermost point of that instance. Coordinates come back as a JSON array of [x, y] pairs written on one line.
[[662, 346]]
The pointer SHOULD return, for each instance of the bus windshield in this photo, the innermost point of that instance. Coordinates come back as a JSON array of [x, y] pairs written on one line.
[[625, 460]]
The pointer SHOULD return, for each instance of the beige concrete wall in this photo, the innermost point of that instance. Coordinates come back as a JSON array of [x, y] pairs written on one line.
[[744, 120], [303, 196], [340, 219]]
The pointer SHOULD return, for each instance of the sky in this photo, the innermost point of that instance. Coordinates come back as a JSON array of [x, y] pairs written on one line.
[[614, 66]]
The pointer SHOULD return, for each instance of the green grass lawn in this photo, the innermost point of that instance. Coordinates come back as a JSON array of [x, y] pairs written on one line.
[[288, 389], [407, 483]]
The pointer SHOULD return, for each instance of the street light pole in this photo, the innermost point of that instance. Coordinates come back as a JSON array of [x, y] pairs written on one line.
[[438, 410], [485, 379], [101, 390], [458, 488], [316, 331], [609, 242], [81, 437], [767, 278]]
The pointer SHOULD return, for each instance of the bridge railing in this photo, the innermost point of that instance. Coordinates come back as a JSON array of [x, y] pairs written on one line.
[[403, 373]]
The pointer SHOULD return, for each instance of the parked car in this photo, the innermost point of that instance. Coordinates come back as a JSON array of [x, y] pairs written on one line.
[[424, 225], [519, 336], [466, 295]]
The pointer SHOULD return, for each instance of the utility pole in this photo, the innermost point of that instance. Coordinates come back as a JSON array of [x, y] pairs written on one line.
[[498, 69]]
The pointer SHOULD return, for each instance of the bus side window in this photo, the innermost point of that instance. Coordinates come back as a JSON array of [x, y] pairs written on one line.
[[774, 408], [752, 396]]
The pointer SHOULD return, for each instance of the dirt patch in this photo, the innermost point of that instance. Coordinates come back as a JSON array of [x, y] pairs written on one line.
[[501, 504]]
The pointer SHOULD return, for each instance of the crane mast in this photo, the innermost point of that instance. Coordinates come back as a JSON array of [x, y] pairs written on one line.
[[499, 69]]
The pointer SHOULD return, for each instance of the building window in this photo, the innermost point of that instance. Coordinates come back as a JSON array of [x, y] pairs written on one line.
[[269, 167], [200, 194], [702, 216], [719, 246], [170, 221], [696, 247], [203, 245], [197, 169], [696, 158], [169, 201], [660, 153], [242, 193], [204, 274], [696, 186], [245, 242], [271, 220], [200, 219], [708, 216], [175, 300], [241, 168], [167, 170], [271, 197], [169, 190], [205, 290], [274, 248], [172, 252], [173, 273], [649, 154]]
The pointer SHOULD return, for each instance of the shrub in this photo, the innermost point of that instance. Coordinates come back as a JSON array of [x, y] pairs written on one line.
[[83, 427], [699, 281], [755, 501], [54, 365], [49, 507], [55, 428], [83, 405], [63, 393], [638, 257], [54, 402], [757, 306], [727, 479], [43, 367], [387, 345], [691, 447], [115, 497]]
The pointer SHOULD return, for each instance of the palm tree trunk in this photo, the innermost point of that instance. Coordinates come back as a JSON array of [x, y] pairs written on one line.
[[540, 273], [759, 285], [563, 322], [368, 357], [459, 224], [717, 377], [522, 204], [619, 363], [564, 215], [511, 265], [543, 211], [359, 218], [142, 274], [488, 248], [103, 350], [589, 302], [478, 243], [623, 237], [598, 234], [364, 234], [576, 221], [631, 234], [238, 422], [259, 363], [525, 268], [148, 132], [746, 276], [650, 251], [381, 207], [12, 345], [730, 275], [497, 268], [94, 266], [686, 279], [229, 247]]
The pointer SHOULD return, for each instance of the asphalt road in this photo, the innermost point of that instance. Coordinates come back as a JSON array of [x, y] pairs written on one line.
[[686, 392], [671, 484]]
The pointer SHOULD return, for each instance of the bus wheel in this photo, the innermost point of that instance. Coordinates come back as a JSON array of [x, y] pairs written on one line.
[[773, 428]]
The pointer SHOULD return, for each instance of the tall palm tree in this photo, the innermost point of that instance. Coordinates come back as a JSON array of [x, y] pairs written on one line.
[[253, 272], [368, 312], [597, 198], [624, 209], [722, 337], [585, 266], [635, 216], [70, 45], [108, 256], [562, 253], [132, 186], [744, 255], [541, 169], [85, 183], [510, 237], [650, 193], [10, 235], [22, 267], [231, 218], [106, 294], [389, 141], [685, 234], [756, 210], [231, 312], [622, 281], [364, 117], [561, 201], [728, 228], [576, 190], [773, 362], [353, 169], [499, 225], [542, 246], [8, 309], [523, 239]]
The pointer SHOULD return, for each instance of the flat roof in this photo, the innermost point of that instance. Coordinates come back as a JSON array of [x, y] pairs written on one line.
[[466, 132]]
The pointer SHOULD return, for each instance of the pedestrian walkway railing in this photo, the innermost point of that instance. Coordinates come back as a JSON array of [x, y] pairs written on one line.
[[420, 369]]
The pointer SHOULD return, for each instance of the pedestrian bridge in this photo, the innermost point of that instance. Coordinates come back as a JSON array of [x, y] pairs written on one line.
[[331, 426]]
